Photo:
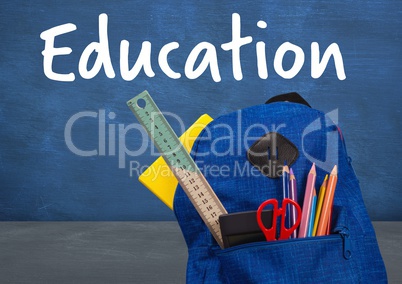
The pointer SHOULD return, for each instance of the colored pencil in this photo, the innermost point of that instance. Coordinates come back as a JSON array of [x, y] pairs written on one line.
[[311, 221], [285, 186], [293, 196], [308, 198], [319, 204], [327, 204], [329, 224]]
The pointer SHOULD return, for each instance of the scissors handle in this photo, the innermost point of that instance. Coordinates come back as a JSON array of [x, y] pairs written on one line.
[[287, 232], [270, 233]]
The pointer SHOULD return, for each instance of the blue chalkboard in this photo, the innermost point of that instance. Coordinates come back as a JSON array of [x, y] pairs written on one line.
[[62, 141]]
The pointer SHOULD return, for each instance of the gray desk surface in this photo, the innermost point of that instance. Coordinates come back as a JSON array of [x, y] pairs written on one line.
[[121, 252]]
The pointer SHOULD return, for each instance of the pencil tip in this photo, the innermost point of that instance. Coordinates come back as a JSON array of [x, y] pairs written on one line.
[[334, 170], [312, 170], [291, 172]]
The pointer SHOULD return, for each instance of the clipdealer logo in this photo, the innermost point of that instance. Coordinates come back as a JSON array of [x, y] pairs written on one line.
[[234, 140]]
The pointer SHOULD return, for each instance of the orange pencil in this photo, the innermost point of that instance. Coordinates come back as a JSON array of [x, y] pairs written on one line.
[[329, 223], [327, 204]]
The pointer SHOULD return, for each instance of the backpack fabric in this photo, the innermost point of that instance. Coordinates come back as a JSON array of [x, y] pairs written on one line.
[[350, 254]]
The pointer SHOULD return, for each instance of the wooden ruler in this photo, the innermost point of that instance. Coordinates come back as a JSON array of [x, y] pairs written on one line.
[[182, 165]]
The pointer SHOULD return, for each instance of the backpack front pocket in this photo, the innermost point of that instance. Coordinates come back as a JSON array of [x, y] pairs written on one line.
[[305, 260], [300, 260]]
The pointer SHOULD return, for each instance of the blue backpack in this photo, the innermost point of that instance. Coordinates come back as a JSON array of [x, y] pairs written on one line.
[[350, 254]]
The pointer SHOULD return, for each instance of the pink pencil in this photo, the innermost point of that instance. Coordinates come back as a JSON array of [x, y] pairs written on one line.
[[308, 198]]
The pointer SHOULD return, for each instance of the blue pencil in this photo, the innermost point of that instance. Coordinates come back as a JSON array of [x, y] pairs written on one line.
[[293, 196], [285, 185], [312, 215]]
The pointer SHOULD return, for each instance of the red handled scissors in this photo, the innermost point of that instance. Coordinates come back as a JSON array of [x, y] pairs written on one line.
[[270, 233]]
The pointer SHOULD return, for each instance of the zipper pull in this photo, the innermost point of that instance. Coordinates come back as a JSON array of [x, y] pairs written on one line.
[[347, 253]]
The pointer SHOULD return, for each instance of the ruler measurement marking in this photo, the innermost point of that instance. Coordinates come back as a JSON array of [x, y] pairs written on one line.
[[182, 165]]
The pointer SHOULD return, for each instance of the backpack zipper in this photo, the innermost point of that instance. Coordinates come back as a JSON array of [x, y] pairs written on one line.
[[344, 233]]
